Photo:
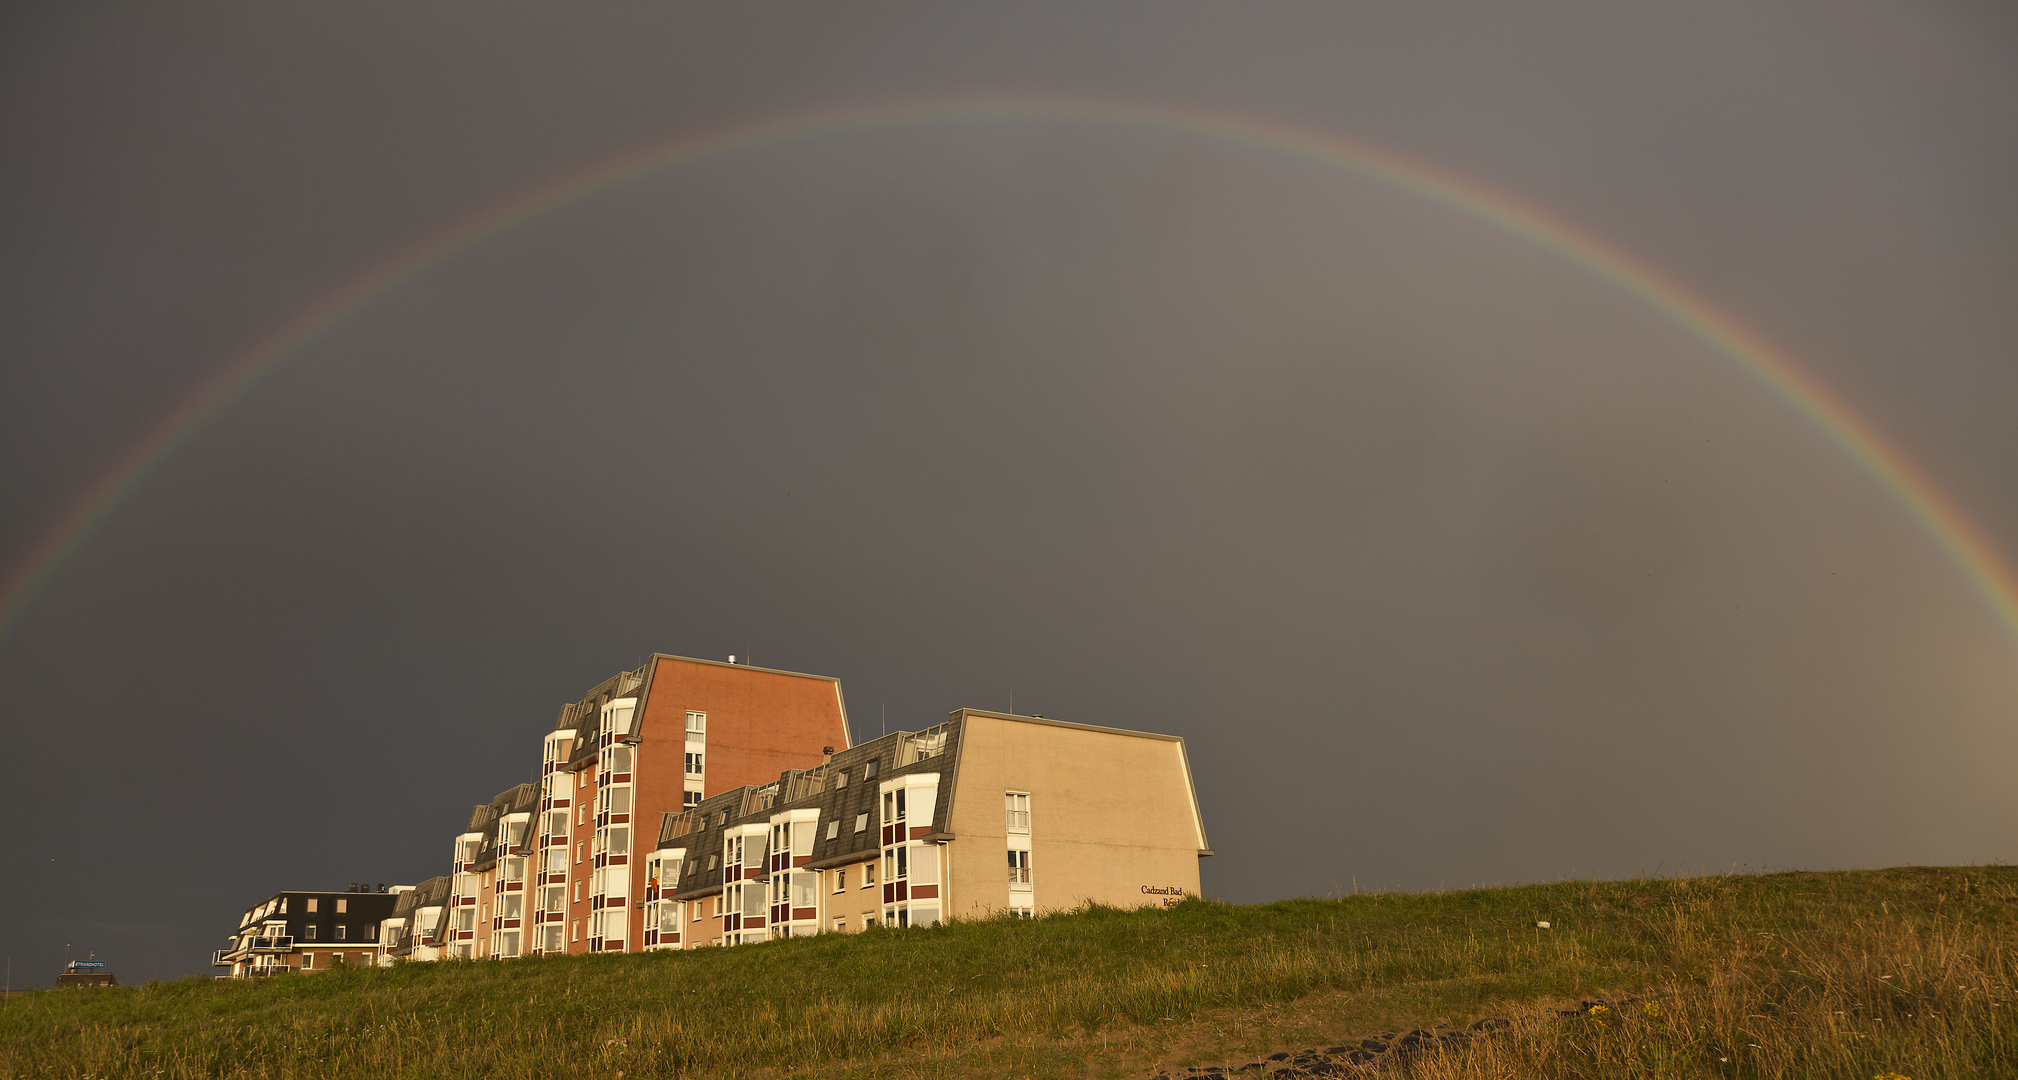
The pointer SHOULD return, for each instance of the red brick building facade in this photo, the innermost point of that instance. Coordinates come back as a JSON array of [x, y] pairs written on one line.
[[650, 743]]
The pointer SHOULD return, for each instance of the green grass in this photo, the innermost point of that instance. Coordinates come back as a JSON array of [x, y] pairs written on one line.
[[1780, 974]]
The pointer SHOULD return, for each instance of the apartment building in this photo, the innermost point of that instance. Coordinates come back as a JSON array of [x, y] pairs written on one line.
[[414, 929], [691, 803], [489, 894], [307, 931], [647, 744], [985, 814]]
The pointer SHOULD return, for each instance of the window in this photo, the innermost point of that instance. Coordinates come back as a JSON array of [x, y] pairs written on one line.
[[697, 911], [697, 723], [833, 829], [840, 924], [311, 905], [1018, 811], [840, 880], [694, 764], [861, 822], [620, 840], [371, 933], [310, 934], [711, 861], [841, 779], [1019, 867], [512, 906], [308, 959], [578, 853], [578, 890], [868, 874], [342, 905], [893, 806], [896, 863], [578, 930], [283, 905], [869, 770], [342, 931], [690, 800]]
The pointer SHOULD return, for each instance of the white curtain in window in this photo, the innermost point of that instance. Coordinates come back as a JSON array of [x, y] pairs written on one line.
[[925, 865]]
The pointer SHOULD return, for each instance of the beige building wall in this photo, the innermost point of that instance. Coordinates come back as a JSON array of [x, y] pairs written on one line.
[[1112, 815]]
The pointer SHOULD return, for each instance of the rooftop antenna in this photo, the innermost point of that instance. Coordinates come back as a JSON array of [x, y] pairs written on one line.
[[886, 716], [1012, 703]]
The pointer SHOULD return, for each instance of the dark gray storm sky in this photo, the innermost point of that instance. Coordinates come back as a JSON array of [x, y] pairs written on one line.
[[1453, 563]]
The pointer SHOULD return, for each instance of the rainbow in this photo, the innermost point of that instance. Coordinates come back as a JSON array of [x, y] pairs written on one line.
[[1958, 538]]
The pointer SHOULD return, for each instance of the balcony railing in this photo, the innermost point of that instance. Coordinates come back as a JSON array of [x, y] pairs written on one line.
[[928, 743]]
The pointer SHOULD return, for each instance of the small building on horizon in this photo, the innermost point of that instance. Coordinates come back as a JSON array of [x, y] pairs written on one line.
[[93, 972]]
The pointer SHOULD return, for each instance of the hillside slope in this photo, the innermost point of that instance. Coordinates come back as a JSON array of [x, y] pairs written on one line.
[[1852, 974]]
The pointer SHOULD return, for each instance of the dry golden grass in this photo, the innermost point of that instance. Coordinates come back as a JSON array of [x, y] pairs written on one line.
[[1847, 974], [1910, 990]]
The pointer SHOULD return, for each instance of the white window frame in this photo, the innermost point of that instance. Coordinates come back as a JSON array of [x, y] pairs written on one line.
[[1015, 806]]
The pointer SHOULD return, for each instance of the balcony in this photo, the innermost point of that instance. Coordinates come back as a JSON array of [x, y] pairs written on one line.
[[273, 944], [929, 743]]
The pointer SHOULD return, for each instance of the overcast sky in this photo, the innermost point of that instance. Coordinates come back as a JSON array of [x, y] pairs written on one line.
[[1454, 563]]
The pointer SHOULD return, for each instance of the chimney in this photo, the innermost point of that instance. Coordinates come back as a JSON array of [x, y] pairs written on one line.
[[828, 755], [732, 658]]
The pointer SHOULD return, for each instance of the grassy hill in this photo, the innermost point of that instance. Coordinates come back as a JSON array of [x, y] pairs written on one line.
[[1855, 974]]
